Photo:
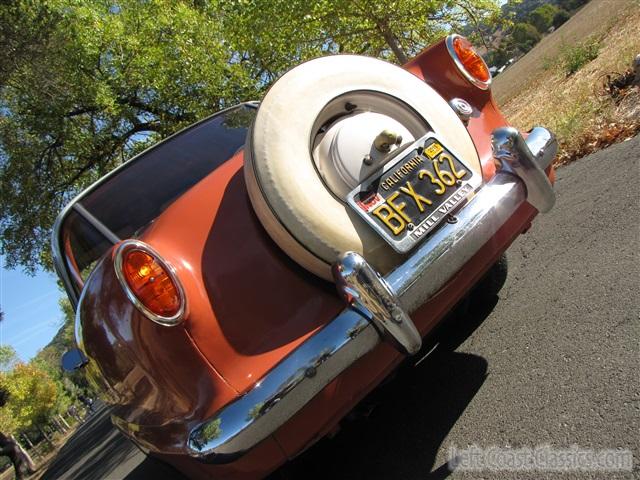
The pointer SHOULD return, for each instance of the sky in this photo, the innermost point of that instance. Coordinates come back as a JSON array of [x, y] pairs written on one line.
[[31, 312]]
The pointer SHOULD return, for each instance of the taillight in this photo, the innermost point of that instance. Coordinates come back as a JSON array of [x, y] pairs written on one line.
[[468, 61], [149, 282]]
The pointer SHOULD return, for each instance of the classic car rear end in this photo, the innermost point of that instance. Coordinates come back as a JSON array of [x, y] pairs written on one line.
[[236, 301]]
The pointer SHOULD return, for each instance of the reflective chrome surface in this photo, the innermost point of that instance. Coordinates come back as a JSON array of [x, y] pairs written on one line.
[[128, 245], [450, 247], [462, 108], [284, 390], [384, 303], [367, 292], [543, 146], [516, 157], [452, 51]]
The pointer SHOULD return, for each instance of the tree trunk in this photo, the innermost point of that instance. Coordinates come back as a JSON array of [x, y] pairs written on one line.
[[44, 434], [31, 466], [393, 43], [57, 425], [32, 447], [19, 457], [28, 441], [64, 422]]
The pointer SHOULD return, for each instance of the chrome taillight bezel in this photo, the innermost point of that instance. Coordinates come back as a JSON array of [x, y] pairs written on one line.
[[461, 68], [118, 258]]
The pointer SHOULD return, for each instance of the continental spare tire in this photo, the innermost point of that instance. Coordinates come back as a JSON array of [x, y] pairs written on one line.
[[308, 144]]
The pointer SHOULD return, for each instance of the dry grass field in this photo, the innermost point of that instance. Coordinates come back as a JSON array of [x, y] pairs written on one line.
[[538, 90]]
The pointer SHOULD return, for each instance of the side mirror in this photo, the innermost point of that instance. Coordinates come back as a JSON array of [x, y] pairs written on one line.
[[73, 360]]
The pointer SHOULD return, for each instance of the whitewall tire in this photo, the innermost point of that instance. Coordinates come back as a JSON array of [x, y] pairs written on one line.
[[302, 215]]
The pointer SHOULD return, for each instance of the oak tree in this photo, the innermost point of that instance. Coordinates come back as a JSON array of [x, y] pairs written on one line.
[[101, 80]]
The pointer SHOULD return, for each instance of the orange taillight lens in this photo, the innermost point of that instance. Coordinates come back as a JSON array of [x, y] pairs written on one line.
[[151, 283], [471, 61]]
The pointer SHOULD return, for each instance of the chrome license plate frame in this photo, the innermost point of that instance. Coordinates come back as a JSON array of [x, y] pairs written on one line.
[[394, 200]]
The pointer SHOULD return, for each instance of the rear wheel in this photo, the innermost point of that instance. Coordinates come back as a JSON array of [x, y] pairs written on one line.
[[488, 288]]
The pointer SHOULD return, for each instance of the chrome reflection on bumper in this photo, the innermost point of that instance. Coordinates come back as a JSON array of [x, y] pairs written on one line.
[[379, 308], [369, 294], [517, 157]]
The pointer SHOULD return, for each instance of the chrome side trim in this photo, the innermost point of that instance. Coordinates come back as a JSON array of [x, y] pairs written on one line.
[[452, 246], [368, 293], [515, 156], [285, 389], [452, 51], [128, 245]]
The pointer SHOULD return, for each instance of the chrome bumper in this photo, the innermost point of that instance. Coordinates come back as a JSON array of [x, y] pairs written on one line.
[[379, 307]]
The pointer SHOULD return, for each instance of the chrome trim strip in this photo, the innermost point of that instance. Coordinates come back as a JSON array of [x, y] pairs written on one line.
[[271, 402], [56, 234], [97, 224], [368, 293], [117, 261], [452, 51], [515, 156], [453, 245]]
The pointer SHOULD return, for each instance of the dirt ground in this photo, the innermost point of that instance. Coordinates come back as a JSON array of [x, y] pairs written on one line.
[[582, 109]]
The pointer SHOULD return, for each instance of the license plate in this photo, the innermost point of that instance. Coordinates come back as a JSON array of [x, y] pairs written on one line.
[[413, 195]]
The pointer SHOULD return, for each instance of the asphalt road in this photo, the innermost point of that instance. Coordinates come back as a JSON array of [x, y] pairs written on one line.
[[556, 361]]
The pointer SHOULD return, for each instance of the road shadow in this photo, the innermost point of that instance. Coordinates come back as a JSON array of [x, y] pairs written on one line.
[[97, 451], [410, 414]]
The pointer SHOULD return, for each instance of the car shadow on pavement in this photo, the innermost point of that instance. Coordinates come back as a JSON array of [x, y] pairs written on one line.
[[410, 415]]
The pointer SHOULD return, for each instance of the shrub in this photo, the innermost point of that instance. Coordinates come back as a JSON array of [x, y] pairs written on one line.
[[525, 36], [577, 56], [542, 17], [560, 17]]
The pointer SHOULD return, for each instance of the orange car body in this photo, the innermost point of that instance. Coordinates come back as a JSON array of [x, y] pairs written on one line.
[[249, 306]]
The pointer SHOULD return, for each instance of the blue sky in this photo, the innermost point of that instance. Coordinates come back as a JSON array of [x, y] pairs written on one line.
[[31, 312]]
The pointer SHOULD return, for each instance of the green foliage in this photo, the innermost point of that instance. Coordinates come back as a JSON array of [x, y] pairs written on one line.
[[571, 4], [24, 31], [499, 56], [68, 384], [8, 357], [32, 396], [574, 57], [525, 36], [560, 18], [109, 81], [542, 17], [273, 35], [101, 80], [519, 10]]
